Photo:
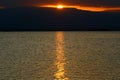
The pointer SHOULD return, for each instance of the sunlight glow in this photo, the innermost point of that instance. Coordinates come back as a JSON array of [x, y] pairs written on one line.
[[86, 8], [60, 7]]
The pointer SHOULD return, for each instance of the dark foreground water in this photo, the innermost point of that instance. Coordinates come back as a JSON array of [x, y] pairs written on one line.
[[59, 55]]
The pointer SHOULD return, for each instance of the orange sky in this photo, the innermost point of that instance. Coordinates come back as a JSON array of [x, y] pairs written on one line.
[[87, 8]]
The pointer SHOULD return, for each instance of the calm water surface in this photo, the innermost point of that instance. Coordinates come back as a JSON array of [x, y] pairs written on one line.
[[59, 55]]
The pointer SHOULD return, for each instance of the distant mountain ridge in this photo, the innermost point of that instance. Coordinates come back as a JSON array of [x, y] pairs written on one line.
[[53, 19]]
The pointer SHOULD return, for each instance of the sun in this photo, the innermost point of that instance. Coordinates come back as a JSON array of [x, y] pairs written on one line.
[[60, 7]]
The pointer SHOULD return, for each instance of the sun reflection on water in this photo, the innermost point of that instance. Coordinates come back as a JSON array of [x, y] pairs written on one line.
[[60, 59]]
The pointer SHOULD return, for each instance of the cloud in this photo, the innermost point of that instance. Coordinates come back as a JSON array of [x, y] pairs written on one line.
[[106, 3], [109, 3]]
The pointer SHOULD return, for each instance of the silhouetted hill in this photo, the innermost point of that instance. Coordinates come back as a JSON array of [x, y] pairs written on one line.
[[53, 19]]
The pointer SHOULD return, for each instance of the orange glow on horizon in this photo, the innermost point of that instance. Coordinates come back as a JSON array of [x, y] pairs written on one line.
[[86, 8]]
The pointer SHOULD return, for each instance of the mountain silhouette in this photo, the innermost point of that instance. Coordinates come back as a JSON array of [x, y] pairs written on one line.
[[24, 18]]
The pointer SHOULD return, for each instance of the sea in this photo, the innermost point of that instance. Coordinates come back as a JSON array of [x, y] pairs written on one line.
[[60, 55]]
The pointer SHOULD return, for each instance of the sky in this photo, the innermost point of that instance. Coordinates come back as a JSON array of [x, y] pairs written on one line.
[[94, 3], [77, 18]]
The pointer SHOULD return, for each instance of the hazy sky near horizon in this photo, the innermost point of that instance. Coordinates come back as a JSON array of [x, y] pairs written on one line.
[[102, 3]]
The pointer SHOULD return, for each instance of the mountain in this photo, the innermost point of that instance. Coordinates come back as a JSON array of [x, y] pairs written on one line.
[[53, 19]]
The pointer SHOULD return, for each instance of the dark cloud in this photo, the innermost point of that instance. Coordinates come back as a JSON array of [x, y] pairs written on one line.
[[112, 3], [109, 3]]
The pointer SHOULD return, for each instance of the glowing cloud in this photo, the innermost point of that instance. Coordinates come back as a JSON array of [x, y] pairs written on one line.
[[1, 7], [93, 9]]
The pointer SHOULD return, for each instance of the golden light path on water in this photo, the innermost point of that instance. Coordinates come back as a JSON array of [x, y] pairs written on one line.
[[60, 58], [87, 8]]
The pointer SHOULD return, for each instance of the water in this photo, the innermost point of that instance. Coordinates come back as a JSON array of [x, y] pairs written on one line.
[[59, 55]]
